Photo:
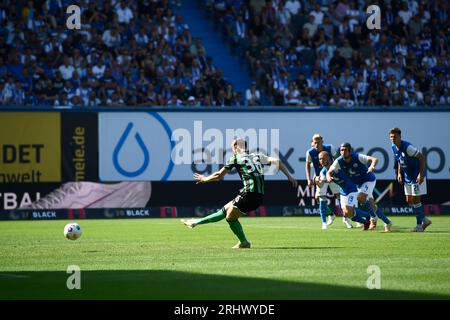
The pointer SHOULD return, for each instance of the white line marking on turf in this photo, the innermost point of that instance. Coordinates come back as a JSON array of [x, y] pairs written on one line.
[[291, 227]]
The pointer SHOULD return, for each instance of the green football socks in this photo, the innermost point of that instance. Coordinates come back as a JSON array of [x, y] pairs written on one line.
[[236, 227], [214, 217]]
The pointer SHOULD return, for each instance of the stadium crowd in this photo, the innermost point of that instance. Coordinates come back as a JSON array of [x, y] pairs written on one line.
[[320, 52], [127, 53], [138, 53]]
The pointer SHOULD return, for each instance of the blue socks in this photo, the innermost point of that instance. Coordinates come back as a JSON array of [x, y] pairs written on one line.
[[323, 210], [361, 216], [382, 216], [418, 210], [366, 207]]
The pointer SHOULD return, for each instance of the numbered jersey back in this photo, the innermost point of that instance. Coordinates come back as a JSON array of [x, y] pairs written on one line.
[[250, 167]]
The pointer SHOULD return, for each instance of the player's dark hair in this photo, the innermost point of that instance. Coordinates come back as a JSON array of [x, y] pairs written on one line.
[[395, 131], [346, 145]]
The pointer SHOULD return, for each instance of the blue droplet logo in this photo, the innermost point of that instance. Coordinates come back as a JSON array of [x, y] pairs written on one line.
[[119, 146]]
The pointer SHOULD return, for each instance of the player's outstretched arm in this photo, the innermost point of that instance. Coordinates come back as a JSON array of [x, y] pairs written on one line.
[[330, 176], [213, 177], [308, 173], [373, 163], [282, 167], [333, 168], [399, 173], [421, 167]]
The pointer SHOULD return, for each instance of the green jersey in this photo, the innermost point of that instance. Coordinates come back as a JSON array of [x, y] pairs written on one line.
[[250, 167]]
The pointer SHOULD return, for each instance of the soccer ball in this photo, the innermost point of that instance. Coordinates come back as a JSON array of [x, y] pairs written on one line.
[[72, 231]]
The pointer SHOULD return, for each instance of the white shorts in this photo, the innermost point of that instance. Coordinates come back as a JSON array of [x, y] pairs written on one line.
[[416, 189], [350, 200], [323, 190], [367, 188]]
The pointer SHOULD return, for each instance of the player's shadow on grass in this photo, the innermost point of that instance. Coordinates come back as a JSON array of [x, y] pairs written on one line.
[[437, 231], [409, 230], [173, 285]]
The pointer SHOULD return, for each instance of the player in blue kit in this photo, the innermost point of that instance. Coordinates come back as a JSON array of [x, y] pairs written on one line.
[[411, 168], [355, 167], [312, 159], [348, 190]]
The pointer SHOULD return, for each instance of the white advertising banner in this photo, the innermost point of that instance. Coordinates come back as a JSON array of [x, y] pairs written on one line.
[[173, 145]]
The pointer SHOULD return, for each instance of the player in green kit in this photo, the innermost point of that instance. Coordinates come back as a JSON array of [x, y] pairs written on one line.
[[250, 197]]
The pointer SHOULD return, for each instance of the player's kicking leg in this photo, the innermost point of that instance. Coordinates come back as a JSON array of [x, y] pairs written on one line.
[[242, 204], [232, 213], [214, 217]]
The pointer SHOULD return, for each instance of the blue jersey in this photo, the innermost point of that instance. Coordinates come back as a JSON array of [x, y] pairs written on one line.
[[312, 155], [407, 158], [356, 169], [346, 186]]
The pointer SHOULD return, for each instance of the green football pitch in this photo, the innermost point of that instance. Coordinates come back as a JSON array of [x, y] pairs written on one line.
[[290, 258]]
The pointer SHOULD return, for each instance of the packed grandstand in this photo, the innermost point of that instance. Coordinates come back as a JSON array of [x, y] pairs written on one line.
[[297, 53]]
